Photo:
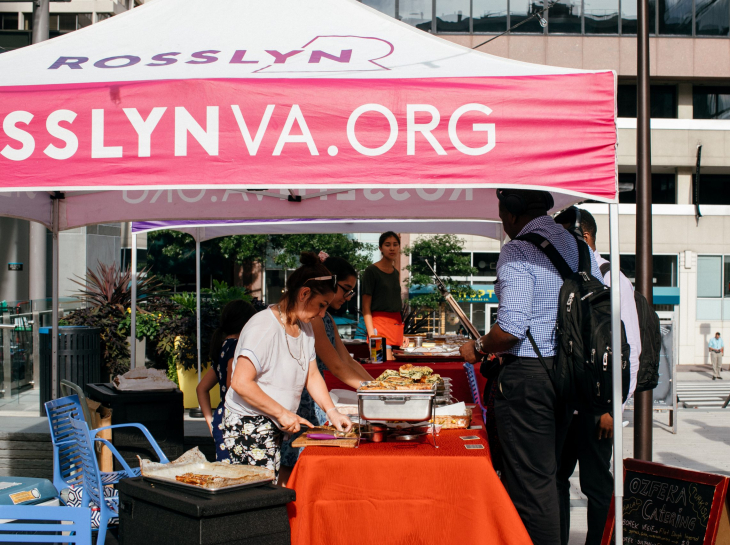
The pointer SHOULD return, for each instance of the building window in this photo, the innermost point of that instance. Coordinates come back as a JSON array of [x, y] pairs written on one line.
[[523, 10], [714, 189], [675, 17], [453, 16], [564, 17], [663, 100], [601, 16], [485, 263], [664, 269], [628, 17], [8, 21], [68, 22], [711, 102], [713, 292], [663, 188], [711, 17], [103, 16], [489, 15], [417, 13]]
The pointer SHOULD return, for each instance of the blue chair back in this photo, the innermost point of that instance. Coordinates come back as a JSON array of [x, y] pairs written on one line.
[[46, 523], [474, 387], [93, 487], [60, 413]]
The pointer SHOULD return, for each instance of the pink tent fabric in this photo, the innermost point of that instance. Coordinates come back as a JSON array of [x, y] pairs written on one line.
[[183, 94]]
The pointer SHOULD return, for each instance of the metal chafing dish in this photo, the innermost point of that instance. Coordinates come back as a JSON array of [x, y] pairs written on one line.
[[413, 406]]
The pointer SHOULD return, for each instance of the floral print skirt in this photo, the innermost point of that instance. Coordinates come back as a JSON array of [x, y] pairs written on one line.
[[252, 440]]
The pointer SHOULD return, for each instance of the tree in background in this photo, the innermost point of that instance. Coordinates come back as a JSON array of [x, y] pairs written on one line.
[[446, 255], [287, 249]]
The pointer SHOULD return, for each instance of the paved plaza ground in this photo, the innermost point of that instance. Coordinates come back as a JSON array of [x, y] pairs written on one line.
[[702, 441]]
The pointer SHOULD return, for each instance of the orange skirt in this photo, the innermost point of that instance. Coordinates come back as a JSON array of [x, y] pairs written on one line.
[[390, 326]]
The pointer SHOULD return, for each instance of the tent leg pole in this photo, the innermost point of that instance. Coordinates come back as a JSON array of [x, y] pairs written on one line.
[[54, 303], [133, 306], [618, 469], [197, 413]]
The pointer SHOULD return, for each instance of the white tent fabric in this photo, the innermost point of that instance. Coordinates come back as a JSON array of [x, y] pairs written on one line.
[[175, 109]]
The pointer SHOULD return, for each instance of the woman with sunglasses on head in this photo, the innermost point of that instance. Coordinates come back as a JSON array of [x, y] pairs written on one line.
[[332, 355], [381, 295], [274, 361]]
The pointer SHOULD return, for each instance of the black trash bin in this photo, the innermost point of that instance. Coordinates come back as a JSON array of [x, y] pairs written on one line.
[[79, 358], [161, 412], [156, 513]]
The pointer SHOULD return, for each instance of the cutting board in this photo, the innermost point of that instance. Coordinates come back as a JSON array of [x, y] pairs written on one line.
[[302, 441]]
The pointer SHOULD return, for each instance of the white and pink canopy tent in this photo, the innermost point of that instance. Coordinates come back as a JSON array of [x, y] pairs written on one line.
[[290, 109]]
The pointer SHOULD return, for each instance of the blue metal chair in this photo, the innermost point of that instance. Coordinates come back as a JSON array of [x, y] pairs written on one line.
[[94, 494], [474, 387], [66, 469], [46, 524]]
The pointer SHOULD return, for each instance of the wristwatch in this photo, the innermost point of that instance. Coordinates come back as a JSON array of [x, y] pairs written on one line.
[[478, 346]]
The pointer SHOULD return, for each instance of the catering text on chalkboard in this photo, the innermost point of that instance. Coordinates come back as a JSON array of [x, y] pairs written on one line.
[[669, 506]]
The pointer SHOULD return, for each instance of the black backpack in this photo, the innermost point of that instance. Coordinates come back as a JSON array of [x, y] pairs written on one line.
[[582, 365], [651, 341]]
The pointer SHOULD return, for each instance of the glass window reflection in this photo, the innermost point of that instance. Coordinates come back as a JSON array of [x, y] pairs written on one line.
[[711, 17], [489, 15], [564, 17], [452, 16], [675, 17], [628, 17], [416, 13], [711, 102], [520, 10], [383, 6], [601, 16]]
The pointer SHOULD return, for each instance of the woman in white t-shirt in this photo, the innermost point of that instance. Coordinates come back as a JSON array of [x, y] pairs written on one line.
[[273, 362]]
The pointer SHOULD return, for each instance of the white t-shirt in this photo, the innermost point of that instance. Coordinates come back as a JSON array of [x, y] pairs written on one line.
[[279, 375]]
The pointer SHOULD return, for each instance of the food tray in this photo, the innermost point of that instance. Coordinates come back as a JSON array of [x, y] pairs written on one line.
[[240, 476], [399, 355], [399, 405], [452, 422]]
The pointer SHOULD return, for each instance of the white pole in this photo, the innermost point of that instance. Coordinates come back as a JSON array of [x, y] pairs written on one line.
[[54, 303], [133, 342], [618, 458], [197, 296]]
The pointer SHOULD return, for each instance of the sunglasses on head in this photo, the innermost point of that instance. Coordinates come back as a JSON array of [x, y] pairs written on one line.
[[323, 278]]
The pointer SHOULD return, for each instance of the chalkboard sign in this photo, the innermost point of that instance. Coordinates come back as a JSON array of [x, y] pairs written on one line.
[[666, 505]]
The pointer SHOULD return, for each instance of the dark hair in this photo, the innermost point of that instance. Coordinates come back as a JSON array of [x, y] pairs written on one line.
[[385, 236], [340, 267], [587, 221], [717, 333], [311, 267], [233, 317], [523, 201]]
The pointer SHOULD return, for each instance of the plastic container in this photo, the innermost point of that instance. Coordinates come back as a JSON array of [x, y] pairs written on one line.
[[377, 348]]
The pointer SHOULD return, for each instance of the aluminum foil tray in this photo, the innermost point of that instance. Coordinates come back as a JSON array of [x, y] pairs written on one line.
[[231, 477]]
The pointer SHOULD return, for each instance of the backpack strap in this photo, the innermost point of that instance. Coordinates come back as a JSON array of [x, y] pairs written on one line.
[[551, 252], [605, 268], [584, 257]]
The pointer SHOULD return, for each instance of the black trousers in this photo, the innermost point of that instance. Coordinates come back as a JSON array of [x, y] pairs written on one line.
[[596, 482], [531, 426]]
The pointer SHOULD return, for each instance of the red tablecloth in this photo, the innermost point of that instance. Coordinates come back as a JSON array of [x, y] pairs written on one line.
[[390, 493], [455, 370]]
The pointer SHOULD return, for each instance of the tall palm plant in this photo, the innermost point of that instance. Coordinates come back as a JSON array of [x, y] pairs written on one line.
[[109, 285]]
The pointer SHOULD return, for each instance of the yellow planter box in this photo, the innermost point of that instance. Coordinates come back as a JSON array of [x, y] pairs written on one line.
[[188, 381]]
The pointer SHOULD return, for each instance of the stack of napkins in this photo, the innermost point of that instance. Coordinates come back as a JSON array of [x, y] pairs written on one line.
[[144, 379], [457, 409]]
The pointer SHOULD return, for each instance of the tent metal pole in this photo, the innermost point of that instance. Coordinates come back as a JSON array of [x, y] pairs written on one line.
[[133, 341], [197, 299], [618, 459], [643, 405], [54, 302]]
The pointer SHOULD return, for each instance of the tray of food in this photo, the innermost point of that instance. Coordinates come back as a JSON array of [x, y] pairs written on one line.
[[193, 473], [405, 395]]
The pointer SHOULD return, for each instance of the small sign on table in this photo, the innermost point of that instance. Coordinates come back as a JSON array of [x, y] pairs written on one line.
[[666, 505]]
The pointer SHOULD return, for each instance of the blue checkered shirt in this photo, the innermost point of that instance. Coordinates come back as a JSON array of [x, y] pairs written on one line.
[[528, 286]]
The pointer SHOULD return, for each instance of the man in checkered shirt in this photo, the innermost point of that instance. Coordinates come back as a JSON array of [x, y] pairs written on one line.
[[531, 423]]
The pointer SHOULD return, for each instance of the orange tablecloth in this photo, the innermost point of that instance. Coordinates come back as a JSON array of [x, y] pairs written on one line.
[[405, 494], [454, 370]]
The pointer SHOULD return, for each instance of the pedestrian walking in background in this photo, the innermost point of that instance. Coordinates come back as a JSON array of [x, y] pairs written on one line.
[[717, 350]]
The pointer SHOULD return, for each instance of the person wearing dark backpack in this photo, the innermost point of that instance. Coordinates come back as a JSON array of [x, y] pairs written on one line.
[[531, 419], [589, 439]]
